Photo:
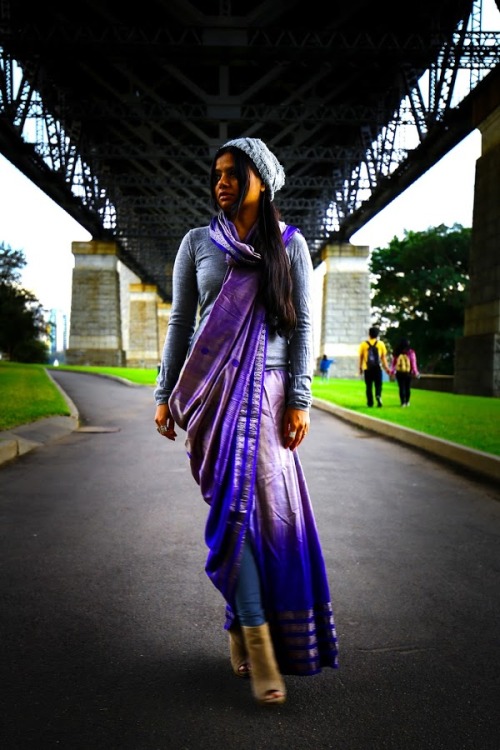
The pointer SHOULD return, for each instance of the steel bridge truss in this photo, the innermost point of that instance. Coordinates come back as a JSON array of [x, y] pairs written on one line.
[[367, 176]]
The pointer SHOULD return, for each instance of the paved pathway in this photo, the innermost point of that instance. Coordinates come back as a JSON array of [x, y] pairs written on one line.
[[112, 634]]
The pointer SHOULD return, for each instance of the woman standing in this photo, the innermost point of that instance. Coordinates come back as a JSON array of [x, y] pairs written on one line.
[[239, 384], [404, 367]]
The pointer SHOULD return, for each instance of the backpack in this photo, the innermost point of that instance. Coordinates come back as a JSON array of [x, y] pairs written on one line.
[[403, 363], [372, 360]]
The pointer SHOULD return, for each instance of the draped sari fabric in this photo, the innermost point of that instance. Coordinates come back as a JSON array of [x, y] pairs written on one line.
[[231, 410], [217, 401]]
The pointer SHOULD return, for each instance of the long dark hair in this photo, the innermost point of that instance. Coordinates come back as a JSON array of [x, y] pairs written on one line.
[[402, 346], [275, 288]]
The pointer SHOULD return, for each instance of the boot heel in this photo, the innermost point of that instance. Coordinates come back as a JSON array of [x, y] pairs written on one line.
[[238, 653], [268, 687]]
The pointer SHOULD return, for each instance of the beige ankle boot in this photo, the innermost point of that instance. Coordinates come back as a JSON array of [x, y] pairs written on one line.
[[238, 652], [267, 683]]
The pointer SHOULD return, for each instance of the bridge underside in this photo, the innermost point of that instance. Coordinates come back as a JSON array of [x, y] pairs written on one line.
[[134, 101]]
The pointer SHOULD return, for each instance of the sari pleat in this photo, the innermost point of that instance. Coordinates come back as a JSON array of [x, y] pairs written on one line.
[[287, 547], [217, 400]]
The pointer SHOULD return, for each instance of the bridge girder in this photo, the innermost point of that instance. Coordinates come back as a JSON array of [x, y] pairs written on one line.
[[116, 115]]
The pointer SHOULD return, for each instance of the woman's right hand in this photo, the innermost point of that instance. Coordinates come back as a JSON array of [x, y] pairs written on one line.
[[164, 422]]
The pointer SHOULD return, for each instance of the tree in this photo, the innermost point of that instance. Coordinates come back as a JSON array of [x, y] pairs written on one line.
[[419, 292], [22, 320]]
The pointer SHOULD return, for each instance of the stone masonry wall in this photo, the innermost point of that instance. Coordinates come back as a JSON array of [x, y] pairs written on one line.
[[95, 334], [346, 306]]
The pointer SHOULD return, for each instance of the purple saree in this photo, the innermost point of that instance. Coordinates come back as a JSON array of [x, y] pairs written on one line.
[[231, 409]]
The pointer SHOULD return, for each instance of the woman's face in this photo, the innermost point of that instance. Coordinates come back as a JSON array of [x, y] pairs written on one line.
[[227, 188]]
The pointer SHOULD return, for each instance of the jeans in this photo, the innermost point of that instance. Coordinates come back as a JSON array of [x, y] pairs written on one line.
[[373, 379], [248, 598], [404, 385]]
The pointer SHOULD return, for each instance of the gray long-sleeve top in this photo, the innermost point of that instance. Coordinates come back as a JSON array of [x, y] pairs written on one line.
[[198, 274]]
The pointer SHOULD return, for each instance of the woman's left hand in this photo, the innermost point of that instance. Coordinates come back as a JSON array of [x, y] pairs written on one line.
[[295, 426]]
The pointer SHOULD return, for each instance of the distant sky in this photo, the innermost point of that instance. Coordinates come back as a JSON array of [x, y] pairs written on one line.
[[32, 222], [443, 195]]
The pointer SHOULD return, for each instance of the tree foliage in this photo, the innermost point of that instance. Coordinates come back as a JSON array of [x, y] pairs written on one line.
[[22, 320], [11, 264], [419, 292]]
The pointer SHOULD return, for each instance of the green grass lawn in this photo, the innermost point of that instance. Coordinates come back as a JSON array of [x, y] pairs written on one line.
[[473, 421], [27, 394]]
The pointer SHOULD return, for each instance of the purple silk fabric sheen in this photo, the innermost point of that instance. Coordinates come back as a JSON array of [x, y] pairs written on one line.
[[287, 547], [231, 409], [217, 400]]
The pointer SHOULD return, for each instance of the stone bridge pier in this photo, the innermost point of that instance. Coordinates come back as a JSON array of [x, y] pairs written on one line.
[[477, 353], [116, 320], [345, 316], [95, 336]]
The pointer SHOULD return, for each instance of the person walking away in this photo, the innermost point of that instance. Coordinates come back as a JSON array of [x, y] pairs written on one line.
[[372, 358], [404, 367], [238, 382], [324, 367]]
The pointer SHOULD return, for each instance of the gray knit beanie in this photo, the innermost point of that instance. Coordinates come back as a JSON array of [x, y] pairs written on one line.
[[269, 168]]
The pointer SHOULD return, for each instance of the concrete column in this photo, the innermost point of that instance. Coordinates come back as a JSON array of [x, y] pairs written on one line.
[[95, 334], [346, 306], [477, 353], [143, 326], [127, 278], [163, 311]]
